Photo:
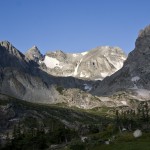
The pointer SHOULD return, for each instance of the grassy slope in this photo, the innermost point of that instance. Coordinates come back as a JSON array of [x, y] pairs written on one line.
[[125, 141], [85, 117], [125, 146], [140, 144], [71, 115]]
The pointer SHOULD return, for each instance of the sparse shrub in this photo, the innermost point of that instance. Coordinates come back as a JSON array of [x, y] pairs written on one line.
[[60, 89], [77, 145], [125, 137]]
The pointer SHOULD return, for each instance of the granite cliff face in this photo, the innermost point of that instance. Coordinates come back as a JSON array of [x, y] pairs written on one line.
[[11, 57], [95, 64], [134, 76], [19, 77], [34, 54], [30, 76], [22, 78]]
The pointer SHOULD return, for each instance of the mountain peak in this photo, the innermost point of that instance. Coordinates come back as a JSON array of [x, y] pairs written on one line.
[[34, 48], [11, 49], [34, 54], [134, 75], [143, 40], [6, 44], [94, 64], [145, 31], [11, 57]]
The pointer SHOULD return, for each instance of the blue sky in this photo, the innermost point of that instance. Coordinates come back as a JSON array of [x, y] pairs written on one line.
[[72, 25]]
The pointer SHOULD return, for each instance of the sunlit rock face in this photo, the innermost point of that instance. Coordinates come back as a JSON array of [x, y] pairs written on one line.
[[22, 78], [34, 54], [95, 64]]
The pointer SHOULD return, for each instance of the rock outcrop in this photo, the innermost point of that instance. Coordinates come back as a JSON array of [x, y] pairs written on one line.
[[34, 54], [135, 74], [95, 64], [23, 78]]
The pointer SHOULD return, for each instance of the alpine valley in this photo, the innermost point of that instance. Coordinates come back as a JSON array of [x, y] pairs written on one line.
[[76, 101]]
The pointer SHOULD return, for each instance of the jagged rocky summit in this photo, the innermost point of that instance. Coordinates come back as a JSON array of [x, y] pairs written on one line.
[[22, 78], [34, 54], [94, 64], [134, 76], [29, 77]]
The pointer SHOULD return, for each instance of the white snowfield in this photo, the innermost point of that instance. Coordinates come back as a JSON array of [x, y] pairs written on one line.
[[95, 64], [76, 68], [104, 74], [74, 55], [98, 79], [84, 53], [81, 75], [87, 87], [51, 62], [123, 58], [134, 79]]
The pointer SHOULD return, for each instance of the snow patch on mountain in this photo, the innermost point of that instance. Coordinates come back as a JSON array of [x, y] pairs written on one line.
[[82, 75], [75, 55], [51, 62], [87, 87], [84, 53], [104, 74], [94, 64], [123, 58], [76, 68], [98, 79], [134, 79]]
